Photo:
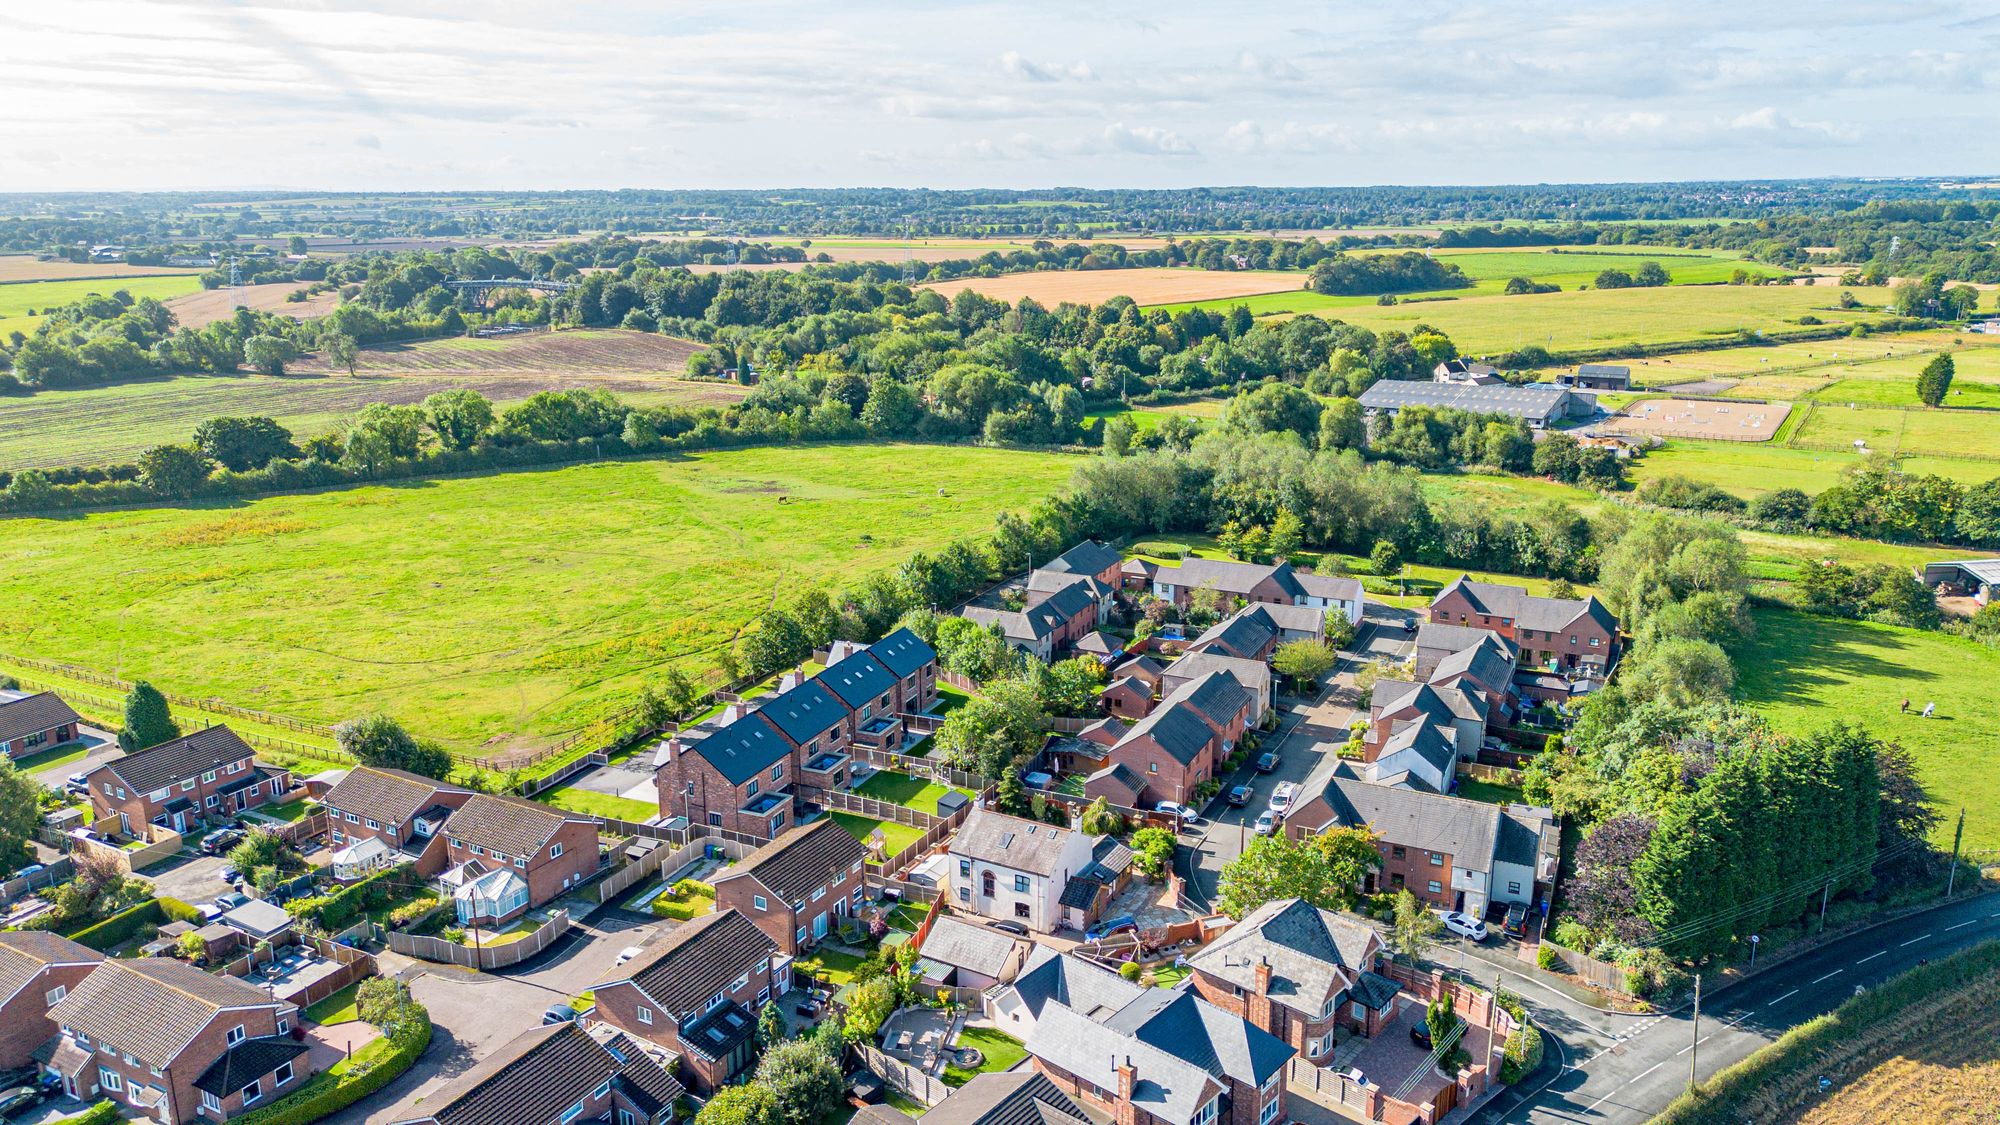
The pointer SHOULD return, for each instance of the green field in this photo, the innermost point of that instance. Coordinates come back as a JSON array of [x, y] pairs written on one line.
[[1748, 469], [489, 612], [1938, 433], [1804, 671], [16, 300]]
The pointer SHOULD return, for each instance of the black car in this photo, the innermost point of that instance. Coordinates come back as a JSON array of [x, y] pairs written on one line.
[[1267, 763], [221, 840], [1240, 796], [19, 1098], [1011, 927], [1420, 1034]]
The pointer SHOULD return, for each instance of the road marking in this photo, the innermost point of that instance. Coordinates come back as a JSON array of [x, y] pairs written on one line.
[[1692, 1046], [1781, 999], [1871, 956], [1961, 925], [1830, 975], [1913, 941], [1651, 1069]]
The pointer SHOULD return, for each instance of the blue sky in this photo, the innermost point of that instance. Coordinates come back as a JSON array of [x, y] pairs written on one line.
[[412, 95]]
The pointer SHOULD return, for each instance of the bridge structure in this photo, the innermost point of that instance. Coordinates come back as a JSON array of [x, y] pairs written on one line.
[[480, 290]]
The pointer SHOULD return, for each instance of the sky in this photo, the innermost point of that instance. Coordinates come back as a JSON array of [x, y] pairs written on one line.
[[552, 94]]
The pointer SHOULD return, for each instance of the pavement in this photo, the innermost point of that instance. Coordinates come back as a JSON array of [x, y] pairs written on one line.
[[103, 747]]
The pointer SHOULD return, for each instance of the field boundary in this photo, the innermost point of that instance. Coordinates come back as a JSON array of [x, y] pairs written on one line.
[[211, 706]]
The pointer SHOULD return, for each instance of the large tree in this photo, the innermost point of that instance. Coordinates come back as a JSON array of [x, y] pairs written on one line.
[[378, 740], [173, 470], [750, 1104], [242, 444], [1934, 381], [1304, 660], [459, 417], [20, 817], [804, 1080], [1327, 874], [148, 721]]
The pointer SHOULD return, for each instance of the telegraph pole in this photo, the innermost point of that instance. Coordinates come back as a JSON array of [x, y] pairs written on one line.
[[1492, 1018], [1694, 1052], [1957, 838]]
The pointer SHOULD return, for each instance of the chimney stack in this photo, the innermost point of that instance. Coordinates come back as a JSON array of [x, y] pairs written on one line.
[[1258, 1008], [1128, 1078]]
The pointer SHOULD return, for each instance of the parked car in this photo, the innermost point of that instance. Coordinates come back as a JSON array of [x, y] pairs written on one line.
[[1464, 925], [1173, 808], [20, 1098], [1517, 919], [230, 901], [1353, 1074], [221, 840], [30, 871], [627, 953], [1240, 795], [1267, 822], [78, 783], [1281, 800], [1114, 926], [1267, 763], [20, 1076], [1420, 1034], [1010, 926], [558, 1013], [229, 875]]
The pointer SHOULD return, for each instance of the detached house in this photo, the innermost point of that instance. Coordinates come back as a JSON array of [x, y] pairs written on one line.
[[378, 818], [799, 886], [557, 1075], [173, 1043], [1577, 635], [1059, 604], [1011, 869], [37, 969], [1297, 972], [34, 723], [198, 779], [696, 994], [505, 855], [1249, 583]]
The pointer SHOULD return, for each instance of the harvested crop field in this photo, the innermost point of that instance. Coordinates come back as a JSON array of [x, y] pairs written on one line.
[[605, 352], [1153, 286], [197, 310], [1702, 418], [24, 267]]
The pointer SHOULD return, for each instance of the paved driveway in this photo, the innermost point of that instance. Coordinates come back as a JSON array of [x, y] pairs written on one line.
[[191, 877], [102, 747]]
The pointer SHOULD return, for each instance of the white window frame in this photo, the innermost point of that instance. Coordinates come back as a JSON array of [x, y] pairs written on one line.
[[236, 1035], [555, 851], [254, 1092], [759, 902], [110, 1079], [54, 995], [283, 1074], [643, 1014]]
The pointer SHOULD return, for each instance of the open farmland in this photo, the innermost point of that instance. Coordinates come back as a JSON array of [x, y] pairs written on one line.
[[16, 300], [114, 424], [1938, 433], [205, 307], [1151, 286], [1939, 1079], [497, 611], [25, 267]]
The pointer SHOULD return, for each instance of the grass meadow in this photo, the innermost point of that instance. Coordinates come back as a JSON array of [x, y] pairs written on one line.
[[488, 612], [16, 300]]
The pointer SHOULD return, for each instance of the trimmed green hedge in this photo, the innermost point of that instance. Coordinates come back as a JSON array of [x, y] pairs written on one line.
[[349, 1080], [103, 1113], [344, 907], [121, 926]]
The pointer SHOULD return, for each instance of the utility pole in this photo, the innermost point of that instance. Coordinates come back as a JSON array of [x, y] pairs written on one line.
[[1492, 1018], [1694, 1052], [1824, 895], [1957, 838]]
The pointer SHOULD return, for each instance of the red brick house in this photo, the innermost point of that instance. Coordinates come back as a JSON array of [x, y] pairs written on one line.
[[1565, 634], [1297, 972], [199, 779], [696, 994], [1089, 559], [505, 855], [556, 1075], [1051, 621], [798, 887], [37, 969], [1128, 698], [34, 723], [377, 818], [1185, 739], [171, 1042]]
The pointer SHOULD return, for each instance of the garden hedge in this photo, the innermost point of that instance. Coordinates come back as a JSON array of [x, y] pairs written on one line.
[[121, 926], [344, 907], [103, 1113], [351, 1079]]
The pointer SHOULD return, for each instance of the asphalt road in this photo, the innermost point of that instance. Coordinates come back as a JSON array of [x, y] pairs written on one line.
[[1622, 1070]]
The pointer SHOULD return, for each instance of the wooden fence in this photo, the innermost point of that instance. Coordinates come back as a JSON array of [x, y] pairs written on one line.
[[1497, 775], [211, 706], [56, 871], [924, 1088], [669, 862], [922, 767], [485, 957], [1602, 974], [354, 965]]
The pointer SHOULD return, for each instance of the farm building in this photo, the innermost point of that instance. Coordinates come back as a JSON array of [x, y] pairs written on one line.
[[1541, 404], [1598, 377], [1972, 578], [1466, 373]]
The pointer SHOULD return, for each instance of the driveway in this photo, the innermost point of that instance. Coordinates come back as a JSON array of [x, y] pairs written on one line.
[[98, 748], [190, 877]]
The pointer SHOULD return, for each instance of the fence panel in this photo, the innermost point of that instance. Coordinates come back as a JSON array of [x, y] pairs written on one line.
[[485, 957], [903, 1076], [57, 871], [1603, 974]]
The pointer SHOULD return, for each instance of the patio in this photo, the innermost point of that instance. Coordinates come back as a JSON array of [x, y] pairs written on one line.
[[1389, 1059], [295, 970], [1152, 905], [917, 1036]]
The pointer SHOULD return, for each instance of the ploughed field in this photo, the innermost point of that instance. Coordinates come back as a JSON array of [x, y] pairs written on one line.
[[492, 612]]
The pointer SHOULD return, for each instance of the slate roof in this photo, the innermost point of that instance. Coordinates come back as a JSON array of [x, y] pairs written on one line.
[[1427, 740], [1520, 836], [508, 825], [1090, 989], [744, 748], [697, 960], [1246, 634], [1167, 1087], [902, 652], [1247, 674], [1122, 775], [1135, 689], [1182, 1048], [1231, 577], [1333, 587], [33, 714], [169, 763], [964, 945], [1487, 661], [858, 680], [1374, 991], [542, 1072], [1175, 727], [1313, 953], [1011, 842], [248, 1061], [1537, 402], [805, 712], [1088, 557], [1015, 1097], [1440, 637], [1098, 643], [800, 859], [153, 1007], [1464, 829], [717, 1031], [1296, 618], [25, 953], [1217, 695], [1144, 668], [1180, 1023], [1546, 615], [389, 796]]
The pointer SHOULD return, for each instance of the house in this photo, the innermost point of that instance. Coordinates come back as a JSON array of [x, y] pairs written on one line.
[[1436, 640], [1561, 634], [1014, 1097], [1248, 634], [1295, 971], [37, 969], [201, 778], [1449, 852], [1185, 739], [1972, 578], [505, 855], [737, 779], [173, 1043], [377, 818], [555, 1075], [1540, 404], [696, 994], [1253, 676], [1116, 783], [1081, 985], [1250, 584], [1090, 559], [1457, 712], [1416, 755], [914, 664], [1010, 869], [34, 723], [1165, 1057], [799, 886], [1465, 372], [1049, 623], [1599, 377], [1091, 890], [968, 955], [1300, 622], [1100, 646], [1127, 697], [1144, 669]]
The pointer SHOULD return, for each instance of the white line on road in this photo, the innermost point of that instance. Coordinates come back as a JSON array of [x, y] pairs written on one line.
[[1786, 996], [1871, 956], [1913, 941], [1693, 1045], [1961, 925], [1651, 1069], [1830, 975]]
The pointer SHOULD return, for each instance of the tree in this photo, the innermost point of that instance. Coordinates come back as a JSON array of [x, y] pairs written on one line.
[[1153, 851], [1441, 1021], [1650, 274], [1274, 408], [1341, 425], [1099, 820], [1288, 534], [148, 722], [1682, 671], [1386, 559], [1601, 895], [1415, 929], [458, 417], [1304, 660], [1278, 867], [1070, 688], [892, 409], [805, 1082], [267, 354], [20, 817], [243, 444], [1934, 381], [779, 641], [749, 1104], [1118, 431], [341, 350], [378, 740], [871, 1006], [173, 470], [383, 433], [1350, 854]]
